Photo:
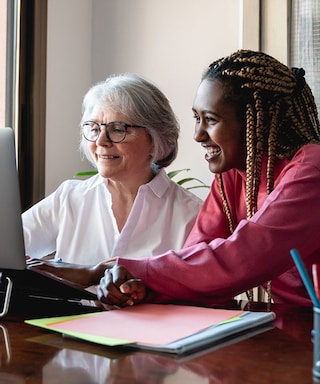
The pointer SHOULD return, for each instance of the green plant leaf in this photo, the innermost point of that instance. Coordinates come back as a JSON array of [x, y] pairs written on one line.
[[188, 179], [172, 174], [198, 186], [87, 173]]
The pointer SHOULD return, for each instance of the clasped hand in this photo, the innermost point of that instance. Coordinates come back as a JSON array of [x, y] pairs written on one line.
[[119, 288]]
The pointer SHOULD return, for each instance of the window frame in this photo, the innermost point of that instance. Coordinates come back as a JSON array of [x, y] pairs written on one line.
[[26, 92]]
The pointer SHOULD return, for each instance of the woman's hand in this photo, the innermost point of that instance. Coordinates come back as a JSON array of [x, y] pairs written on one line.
[[82, 275], [119, 288]]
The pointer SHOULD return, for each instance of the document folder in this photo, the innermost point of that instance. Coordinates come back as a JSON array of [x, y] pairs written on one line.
[[170, 328]]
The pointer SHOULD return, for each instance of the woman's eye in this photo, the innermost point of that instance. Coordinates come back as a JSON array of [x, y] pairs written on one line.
[[117, 131], [210, 120], [197, 118]]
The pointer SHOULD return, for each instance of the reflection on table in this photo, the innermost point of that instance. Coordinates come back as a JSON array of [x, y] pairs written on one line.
[[280, 355]]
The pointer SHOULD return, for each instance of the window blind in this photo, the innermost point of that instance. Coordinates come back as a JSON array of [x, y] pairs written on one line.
[[305, 42]]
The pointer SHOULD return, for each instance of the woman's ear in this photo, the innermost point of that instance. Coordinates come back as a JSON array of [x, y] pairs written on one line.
[[151, 154]]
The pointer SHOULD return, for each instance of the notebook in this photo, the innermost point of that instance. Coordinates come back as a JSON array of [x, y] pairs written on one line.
[[15, 278]]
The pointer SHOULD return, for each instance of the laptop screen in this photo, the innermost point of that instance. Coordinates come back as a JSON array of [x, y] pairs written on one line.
[[12, 252], [23, 282]]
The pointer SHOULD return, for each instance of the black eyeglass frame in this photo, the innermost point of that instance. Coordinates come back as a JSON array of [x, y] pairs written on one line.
[[125, 126]]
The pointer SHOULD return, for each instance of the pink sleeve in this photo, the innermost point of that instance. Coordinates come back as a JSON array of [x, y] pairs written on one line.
[[257, 251]]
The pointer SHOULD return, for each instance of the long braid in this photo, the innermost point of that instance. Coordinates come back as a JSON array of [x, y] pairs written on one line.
[[250, 139], [278, 111], [226, 207], [259, 149], [272, 143]]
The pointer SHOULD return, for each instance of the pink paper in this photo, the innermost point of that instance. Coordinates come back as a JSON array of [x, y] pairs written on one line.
[[147, 323]]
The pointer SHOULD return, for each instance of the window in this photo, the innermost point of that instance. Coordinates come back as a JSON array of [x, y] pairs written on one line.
[[23, 33], [305, 42]]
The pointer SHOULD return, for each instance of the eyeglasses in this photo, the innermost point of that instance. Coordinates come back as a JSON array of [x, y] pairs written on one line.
[[116, 131]]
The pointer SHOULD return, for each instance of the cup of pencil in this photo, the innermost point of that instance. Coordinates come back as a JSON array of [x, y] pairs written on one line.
[[314, 293], [316, 343], [316, 323]]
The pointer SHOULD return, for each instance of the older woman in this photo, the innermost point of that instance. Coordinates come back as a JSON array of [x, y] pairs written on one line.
[[129, 133]]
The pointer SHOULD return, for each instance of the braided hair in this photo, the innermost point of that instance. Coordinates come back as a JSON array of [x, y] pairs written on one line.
[[277, 108]]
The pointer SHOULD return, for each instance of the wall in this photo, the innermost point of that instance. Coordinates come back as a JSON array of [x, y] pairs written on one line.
[[168, 41], [68, 78]]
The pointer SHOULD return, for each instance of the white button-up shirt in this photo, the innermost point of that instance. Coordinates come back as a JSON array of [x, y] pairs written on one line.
[[78, 223]]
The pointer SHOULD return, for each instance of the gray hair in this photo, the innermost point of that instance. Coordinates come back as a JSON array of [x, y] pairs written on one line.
[[143, 104]]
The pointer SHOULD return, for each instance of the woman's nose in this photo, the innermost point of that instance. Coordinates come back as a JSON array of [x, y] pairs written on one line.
[[200, 134], [103, 139]]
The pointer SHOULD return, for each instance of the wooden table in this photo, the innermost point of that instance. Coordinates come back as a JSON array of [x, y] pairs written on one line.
[[281, 355]]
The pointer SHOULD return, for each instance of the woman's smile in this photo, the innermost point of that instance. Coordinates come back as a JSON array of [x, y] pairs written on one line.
[[107, 157], [212, 152]]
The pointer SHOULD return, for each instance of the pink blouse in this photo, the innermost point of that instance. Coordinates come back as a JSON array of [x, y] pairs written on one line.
[[214, 266]]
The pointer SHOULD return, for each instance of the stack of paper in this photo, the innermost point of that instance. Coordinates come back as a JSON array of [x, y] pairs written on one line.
[[164, 328]]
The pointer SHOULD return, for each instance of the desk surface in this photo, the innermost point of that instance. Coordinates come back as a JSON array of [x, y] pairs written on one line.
[[281, 355]]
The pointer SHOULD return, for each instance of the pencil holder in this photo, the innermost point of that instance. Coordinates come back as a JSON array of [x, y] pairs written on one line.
[[316, 343]]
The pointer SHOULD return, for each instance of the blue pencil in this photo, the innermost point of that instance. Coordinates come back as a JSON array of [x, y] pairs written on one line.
[[305, 277]]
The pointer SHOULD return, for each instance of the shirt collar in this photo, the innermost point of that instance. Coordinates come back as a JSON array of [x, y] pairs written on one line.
[[159, 184]]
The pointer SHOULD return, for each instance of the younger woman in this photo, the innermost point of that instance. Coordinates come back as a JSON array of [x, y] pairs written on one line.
[[258, 123]]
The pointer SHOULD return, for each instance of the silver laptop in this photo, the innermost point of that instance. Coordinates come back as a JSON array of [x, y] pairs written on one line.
[[15, 278], [11, 235]]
